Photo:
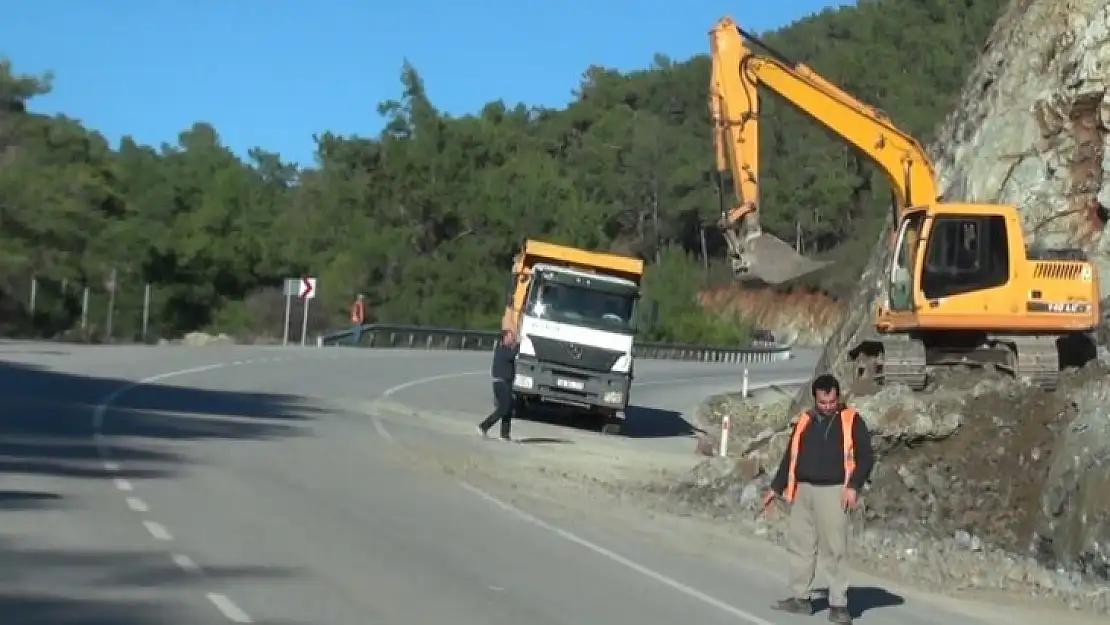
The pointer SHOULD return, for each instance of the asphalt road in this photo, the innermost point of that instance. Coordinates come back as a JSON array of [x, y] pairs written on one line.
[[245, 484]]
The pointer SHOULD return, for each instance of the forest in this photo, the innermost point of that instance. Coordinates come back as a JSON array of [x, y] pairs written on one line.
[[424, 217]]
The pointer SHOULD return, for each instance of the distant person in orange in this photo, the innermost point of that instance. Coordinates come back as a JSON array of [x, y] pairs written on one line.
[[358, 318]]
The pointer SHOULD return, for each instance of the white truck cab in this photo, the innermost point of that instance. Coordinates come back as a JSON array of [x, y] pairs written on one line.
[[576, 328]]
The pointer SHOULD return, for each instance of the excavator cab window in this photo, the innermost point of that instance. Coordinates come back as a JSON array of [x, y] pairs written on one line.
[[965, 253], [901, 286]]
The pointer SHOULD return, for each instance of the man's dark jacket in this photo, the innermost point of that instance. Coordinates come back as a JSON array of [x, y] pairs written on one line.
[[821, 454], [503, 366]]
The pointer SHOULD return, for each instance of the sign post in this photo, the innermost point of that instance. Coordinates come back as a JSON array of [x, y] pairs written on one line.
[[112, 283], [307, 292], [292, 288]]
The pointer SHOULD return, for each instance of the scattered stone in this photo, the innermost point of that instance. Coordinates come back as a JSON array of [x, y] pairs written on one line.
[[977, 485], [200, 339]]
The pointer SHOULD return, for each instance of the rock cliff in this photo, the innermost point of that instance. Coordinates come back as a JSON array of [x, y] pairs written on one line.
[[1030, 130]]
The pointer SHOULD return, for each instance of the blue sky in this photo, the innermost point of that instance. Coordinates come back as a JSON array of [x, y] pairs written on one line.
[[271, 73]]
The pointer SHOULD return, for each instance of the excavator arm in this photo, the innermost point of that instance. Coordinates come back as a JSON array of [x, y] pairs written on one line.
[[736, 76]]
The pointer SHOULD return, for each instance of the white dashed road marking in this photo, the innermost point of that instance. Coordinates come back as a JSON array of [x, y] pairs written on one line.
[[225, 605], [158, 530], [228, 608], [186, 563]]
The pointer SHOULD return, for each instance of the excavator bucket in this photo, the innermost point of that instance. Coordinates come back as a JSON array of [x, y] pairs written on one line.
[[769, 259]]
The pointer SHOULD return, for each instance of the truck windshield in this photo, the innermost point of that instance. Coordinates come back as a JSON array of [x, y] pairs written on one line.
[[601, 310]]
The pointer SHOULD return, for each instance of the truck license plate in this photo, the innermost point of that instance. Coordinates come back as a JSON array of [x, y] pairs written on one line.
[[576, 385]]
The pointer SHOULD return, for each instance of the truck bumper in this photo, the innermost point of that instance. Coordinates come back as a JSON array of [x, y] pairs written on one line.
[[571, 386]]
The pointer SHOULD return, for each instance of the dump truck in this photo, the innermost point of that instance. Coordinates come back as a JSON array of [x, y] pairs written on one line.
[[961, 287], [575, 313]]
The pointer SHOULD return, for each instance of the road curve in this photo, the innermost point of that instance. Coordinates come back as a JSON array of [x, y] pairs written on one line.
[[267, 485]]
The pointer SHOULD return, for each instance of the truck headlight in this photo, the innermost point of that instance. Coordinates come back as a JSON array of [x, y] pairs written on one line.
[[612, 397], [523, 381]]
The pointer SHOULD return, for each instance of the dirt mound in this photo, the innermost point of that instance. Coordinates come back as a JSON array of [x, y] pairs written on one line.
[[982, 483], [806, 316]]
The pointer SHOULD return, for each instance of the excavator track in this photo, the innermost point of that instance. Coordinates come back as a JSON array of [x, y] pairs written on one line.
[[1037, 359], [903, 362]]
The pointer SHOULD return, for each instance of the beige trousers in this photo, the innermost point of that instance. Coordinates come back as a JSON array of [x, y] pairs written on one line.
[[818, 524]]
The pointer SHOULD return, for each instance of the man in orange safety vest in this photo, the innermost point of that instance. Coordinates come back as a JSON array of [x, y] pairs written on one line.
[[827, 462]]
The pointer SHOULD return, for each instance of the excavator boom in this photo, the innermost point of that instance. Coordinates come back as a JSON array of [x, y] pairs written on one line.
[[736, 76]]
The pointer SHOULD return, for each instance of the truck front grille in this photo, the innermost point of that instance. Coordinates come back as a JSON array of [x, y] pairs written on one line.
[[574, 354]]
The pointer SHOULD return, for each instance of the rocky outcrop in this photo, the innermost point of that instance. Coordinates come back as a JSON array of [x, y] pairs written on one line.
[[1030, 130], [985, 482], [1074, 526], [1031, 127]]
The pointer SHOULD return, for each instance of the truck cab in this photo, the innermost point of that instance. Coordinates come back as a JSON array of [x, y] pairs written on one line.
[[576, 322]]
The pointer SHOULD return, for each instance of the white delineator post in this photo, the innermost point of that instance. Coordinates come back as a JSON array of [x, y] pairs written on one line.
[[724, 436], [744, 385]]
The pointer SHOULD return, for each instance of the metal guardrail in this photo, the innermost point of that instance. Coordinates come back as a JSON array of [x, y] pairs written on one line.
[[385, 336]]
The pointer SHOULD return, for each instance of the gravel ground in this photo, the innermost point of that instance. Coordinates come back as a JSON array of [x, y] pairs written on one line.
[[955, 499]]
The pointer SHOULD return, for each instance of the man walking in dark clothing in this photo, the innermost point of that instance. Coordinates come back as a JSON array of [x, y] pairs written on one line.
[[825, 465], [502, 370]]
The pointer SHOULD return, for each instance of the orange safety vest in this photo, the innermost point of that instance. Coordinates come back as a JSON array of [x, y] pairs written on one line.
[[358, 312], [847, 420]]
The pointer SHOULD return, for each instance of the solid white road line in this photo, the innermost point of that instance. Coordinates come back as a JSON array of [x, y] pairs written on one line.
[[612, 556]]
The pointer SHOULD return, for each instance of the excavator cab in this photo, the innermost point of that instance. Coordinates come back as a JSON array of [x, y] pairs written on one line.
[[962, 289], [900, 278]]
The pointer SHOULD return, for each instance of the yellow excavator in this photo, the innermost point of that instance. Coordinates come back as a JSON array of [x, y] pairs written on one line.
[[960, 287]]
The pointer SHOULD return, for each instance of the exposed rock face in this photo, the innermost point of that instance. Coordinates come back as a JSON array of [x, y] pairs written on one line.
[[1032, 123], [1075, 506], [1030, 130], [802, 318]]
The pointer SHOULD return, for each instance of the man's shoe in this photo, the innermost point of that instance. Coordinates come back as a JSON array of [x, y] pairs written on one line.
[[794, 605], [840, 615], [482, 432]]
